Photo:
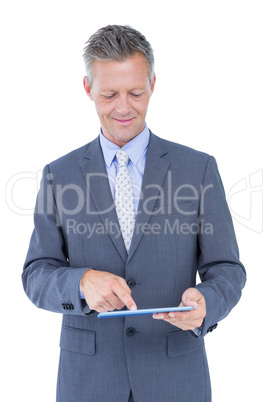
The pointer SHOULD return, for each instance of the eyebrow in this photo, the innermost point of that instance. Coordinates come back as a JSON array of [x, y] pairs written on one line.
[[131, 90]]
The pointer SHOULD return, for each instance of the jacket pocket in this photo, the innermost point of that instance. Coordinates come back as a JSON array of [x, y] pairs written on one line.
[[78, 340], [180, 343]]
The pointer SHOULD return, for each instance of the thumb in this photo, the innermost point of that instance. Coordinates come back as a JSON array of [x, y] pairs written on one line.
[[190, 297]]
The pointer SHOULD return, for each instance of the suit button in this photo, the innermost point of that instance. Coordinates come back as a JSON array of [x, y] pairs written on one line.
[[64, 306], [210, 329], [131, 331], [131, 283]]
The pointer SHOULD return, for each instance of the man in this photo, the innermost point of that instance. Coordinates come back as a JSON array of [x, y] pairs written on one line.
[[127, 221]]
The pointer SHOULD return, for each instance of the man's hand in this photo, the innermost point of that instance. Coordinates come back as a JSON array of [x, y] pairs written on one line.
[[187, 320], [104, 291]]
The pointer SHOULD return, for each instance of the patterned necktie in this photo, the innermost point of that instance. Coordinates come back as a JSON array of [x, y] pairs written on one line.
[[124, 199]]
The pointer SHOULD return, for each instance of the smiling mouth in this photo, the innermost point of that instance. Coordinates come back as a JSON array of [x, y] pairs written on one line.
[[124, 121]]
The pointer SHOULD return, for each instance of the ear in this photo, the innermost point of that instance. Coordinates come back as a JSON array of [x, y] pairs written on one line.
[[153, 84], [87, 87]]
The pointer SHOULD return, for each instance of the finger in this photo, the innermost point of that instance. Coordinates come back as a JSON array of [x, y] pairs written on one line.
[[191, 319], [174, 321], [104, 307], [180, 318], [107, 297], [115, 302], [179, 315], [125, 297], [160, 316], [124, 285], [191, 297], [185, 315]]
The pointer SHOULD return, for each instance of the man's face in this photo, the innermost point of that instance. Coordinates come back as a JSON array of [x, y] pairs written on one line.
[[121, 92]]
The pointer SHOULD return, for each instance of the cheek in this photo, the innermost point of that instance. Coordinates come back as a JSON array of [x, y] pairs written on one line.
[[104, 110], [141, 107], [137, 108]]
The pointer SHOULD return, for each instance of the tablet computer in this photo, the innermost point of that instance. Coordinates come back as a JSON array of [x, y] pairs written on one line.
[[149, 311]]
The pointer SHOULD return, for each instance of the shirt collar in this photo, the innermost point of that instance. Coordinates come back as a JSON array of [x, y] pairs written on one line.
[[134, 148]]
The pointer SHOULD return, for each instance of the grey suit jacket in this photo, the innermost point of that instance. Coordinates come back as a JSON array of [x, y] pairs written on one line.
[[183, 226]]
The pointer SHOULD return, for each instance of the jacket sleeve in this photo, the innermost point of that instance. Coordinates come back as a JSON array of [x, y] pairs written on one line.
[[222, 274], [48, 280]]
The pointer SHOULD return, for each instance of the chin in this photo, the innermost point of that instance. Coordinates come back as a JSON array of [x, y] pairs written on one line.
[[125, 137], [128, 138]]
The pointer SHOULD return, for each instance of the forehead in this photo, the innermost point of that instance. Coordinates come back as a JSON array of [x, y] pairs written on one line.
[[133, 69]]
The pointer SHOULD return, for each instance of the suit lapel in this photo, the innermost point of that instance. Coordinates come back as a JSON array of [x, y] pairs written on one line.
[[98, 186], [155, 171]]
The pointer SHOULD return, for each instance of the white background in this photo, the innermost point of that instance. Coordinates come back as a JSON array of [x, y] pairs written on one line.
[[211, 94]]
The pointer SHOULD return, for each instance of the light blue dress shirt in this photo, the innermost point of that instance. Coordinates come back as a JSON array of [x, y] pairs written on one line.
[[136, 150]]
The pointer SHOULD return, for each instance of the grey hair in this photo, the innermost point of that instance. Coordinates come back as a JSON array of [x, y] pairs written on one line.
[[117, 42]]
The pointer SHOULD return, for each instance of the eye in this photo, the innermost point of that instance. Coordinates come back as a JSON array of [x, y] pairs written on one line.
[[136, 95], [109, 96]]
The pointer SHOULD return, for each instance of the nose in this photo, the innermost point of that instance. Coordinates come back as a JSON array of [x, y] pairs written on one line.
[[122, 105]]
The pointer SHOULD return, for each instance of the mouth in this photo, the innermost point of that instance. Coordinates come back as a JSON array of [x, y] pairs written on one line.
[[124, 121]]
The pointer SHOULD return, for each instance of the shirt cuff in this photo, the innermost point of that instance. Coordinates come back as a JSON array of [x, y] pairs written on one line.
[[197, 331], [81, 293]]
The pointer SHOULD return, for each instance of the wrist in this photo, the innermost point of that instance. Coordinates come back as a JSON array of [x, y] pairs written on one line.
[[83, 281]]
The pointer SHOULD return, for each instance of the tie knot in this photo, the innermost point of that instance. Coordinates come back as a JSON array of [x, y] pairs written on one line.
[[122, 158]]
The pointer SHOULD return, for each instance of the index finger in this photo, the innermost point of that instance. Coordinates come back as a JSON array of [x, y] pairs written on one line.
[[124, 284], [124, 296]]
